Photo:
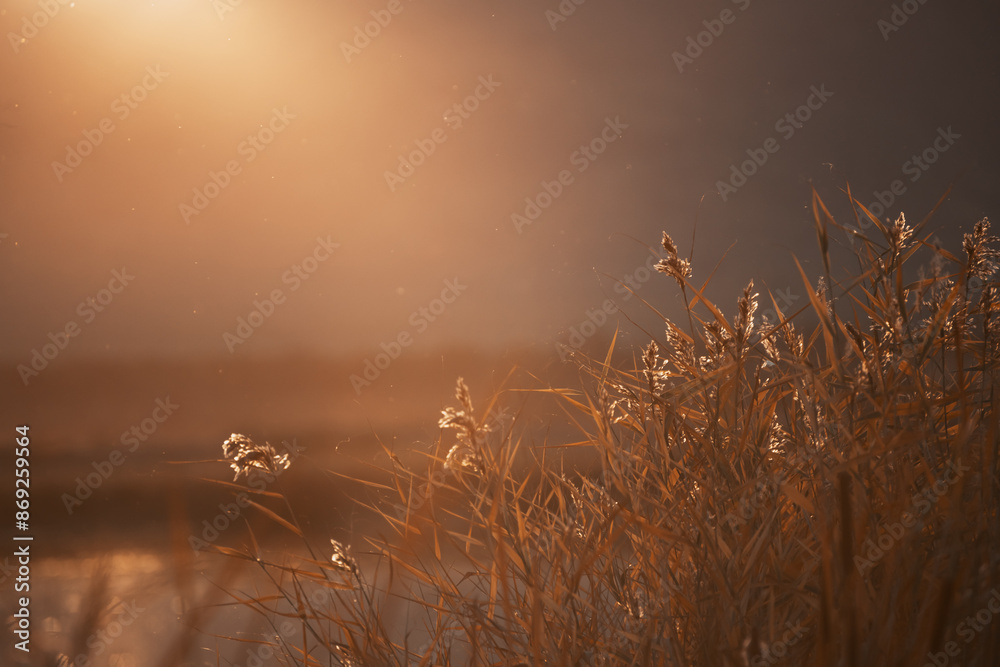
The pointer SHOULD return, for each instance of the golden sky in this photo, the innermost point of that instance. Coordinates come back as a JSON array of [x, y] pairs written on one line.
[[298, 125]]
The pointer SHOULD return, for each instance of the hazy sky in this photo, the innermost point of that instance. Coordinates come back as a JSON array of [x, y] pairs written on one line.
[[308, 116]]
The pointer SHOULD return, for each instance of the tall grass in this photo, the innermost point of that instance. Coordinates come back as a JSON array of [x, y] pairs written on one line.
[[743, 492]]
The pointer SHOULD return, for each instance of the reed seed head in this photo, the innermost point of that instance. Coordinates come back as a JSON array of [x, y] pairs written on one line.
[[673, 265], [246, 456], [342, 559], [983, 259]]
